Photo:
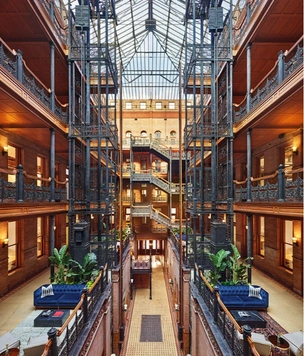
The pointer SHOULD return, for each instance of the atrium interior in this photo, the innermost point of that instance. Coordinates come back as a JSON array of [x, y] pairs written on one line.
[[154, 134]]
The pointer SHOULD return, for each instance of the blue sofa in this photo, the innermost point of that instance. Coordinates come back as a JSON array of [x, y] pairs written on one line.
[[59, 296], [237, 297]]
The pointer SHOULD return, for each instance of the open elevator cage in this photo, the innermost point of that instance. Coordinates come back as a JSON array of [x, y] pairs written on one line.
[[104, 33], [93, 136], [208, 132]]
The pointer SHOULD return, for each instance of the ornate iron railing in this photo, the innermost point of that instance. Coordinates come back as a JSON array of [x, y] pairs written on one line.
[[222, 317], [23, 187], [282, 185], [13, 62], [61, 341], [287, 63]]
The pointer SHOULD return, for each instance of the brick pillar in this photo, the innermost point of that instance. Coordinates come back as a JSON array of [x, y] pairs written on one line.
[[186, 310]]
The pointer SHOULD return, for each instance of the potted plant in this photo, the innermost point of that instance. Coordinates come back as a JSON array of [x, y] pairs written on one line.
[[219, 265], [238, 268], [62, 261], [69, 271]]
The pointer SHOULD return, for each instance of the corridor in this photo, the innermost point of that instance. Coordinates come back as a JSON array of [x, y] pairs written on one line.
[[161, 325]]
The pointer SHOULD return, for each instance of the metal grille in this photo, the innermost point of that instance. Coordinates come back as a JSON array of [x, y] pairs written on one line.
[[151, 330]]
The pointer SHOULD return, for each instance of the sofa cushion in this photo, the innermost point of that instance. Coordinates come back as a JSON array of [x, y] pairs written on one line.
[[254, 292], [232, 300], [69, 299], [46, 291]]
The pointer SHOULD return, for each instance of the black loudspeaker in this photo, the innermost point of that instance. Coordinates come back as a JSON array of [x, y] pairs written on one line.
[[219, 238], [82, 16], [121, 333], [180, 332]]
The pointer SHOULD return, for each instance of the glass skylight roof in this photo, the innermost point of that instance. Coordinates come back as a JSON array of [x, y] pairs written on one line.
[[149, 40]]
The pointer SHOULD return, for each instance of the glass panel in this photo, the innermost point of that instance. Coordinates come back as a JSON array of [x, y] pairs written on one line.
[[287, 244], [262, 236], [12, 245]]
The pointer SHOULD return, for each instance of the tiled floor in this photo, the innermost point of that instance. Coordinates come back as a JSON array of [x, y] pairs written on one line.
[[285, 307], [158, 305]]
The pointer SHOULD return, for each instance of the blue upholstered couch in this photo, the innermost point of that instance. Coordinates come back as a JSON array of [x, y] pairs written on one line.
[[64, 296], [237, 297]]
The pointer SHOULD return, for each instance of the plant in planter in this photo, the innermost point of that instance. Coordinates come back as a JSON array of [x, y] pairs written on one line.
[[88, 271], [62, 262], [238, 269], [69, 271], [219, 265]]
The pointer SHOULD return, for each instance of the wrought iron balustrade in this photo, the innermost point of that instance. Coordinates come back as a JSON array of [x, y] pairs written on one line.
[[221, 316], [18, 186], [283, 185], [287, 63], [62, 341], [13, 62]]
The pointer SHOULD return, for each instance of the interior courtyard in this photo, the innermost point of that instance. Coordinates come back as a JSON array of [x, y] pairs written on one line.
[[154, 135]]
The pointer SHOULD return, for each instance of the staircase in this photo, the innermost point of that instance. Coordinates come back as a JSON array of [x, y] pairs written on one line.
[[151, 177], [152, 213]]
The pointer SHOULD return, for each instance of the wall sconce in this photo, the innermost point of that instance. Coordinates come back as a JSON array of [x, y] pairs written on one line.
[[4, 150], [131, 280], [176, 307], [5, 242], [295, 150], [295, 241], [170, 281], [125, 307]]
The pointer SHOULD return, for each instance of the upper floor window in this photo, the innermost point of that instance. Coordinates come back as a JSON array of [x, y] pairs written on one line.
[[288, 161], [173, 133], [261, 237], [157, 135], [128, 134], [12, 162], [128, 105], [12, 245], [172, 105], [40, 169], [261, 168], [39, 237], [158, 105], [143, 105], [143, 133], [288, 245]]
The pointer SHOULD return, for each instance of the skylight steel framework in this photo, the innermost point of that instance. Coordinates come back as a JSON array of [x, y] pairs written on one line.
[[208, 133], [93, 138]]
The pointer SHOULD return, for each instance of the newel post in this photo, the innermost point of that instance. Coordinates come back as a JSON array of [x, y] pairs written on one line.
[[215, 310], [85, 305], [246, 334], [52, 335]]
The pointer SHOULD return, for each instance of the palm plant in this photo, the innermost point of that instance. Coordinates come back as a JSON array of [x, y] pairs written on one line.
[[88, 271], [237, 268], [62, 261], [219, 264]]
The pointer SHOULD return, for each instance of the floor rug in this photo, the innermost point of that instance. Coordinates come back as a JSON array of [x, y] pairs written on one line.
[[151, 330], [273, 328]]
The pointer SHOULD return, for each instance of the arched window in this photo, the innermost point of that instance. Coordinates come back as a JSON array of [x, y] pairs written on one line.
[[157, 135], [173, 133], [143, 133], [128, 135]]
